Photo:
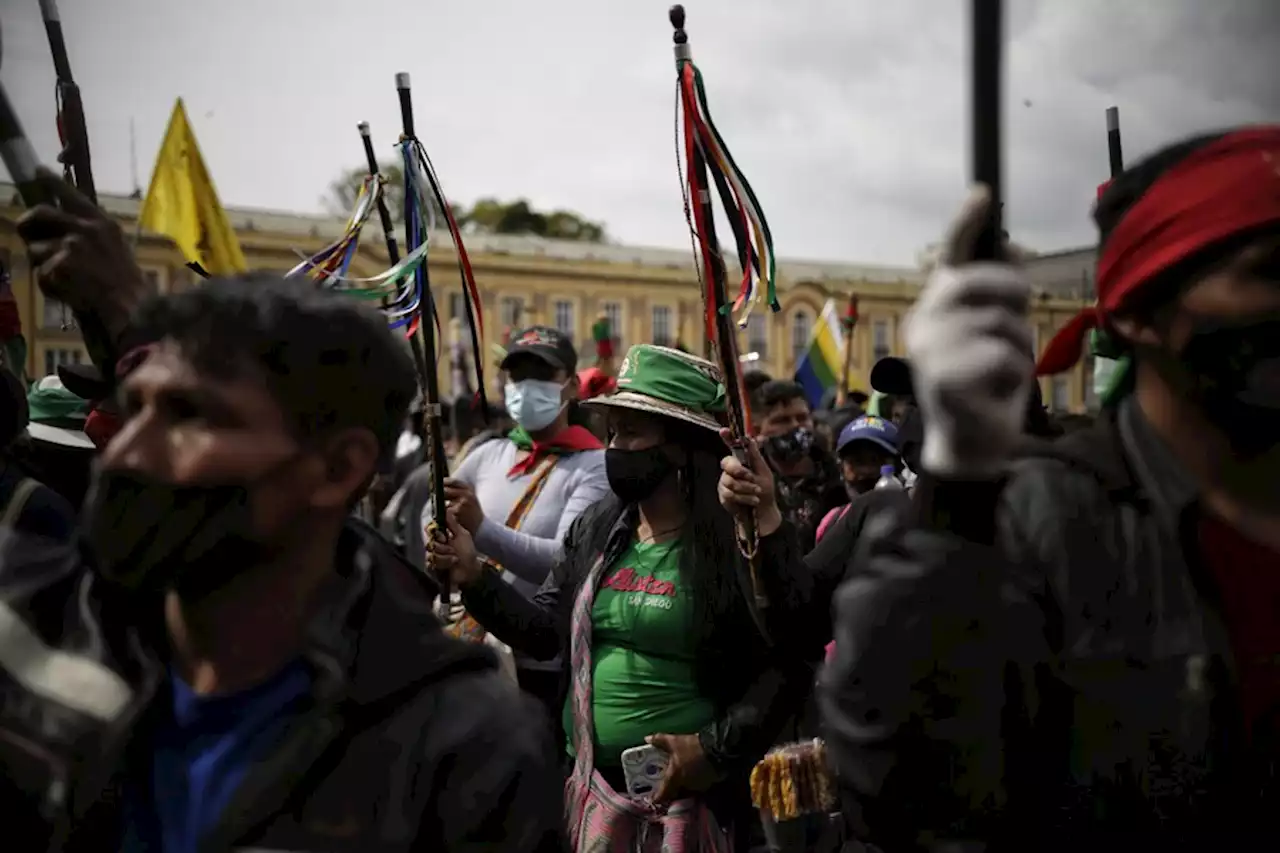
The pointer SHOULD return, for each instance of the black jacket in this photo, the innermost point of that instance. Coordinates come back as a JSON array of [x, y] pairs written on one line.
[[802, 596], [753, 688], [1069, 689], [412, 741]]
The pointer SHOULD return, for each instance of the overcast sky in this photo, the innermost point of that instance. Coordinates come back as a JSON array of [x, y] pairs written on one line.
[[849, 119]]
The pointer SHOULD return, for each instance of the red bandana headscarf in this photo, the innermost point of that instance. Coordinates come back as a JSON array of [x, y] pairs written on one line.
[[1229, 186]]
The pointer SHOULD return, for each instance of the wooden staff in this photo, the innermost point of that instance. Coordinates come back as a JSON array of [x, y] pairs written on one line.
[[987, 20], [424, 344], [849, 322], [968, 509], [77, 168], [1114, 152]]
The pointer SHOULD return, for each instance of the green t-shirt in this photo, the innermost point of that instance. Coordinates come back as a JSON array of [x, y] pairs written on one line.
[[642, 653]]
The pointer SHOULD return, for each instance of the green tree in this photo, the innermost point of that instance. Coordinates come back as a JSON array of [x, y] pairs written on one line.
[[489, 215], [486, 216]]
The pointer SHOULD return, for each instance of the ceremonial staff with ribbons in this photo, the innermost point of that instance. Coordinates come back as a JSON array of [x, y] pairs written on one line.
[[706, 156], [77, 167], [422, 187], [384, 214], [848, 323]]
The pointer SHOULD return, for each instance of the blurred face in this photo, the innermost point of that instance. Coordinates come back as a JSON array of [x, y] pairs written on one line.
[[860, 463], [537, 394], [784, 418], [639, 460], [186, 429], [631, 430], [1218, 345], [901, 405]]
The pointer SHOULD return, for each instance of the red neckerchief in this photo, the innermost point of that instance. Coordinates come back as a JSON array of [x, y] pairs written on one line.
[[573, 439]]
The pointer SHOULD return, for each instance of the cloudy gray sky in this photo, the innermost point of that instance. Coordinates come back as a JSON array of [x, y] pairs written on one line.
[[848, 116]]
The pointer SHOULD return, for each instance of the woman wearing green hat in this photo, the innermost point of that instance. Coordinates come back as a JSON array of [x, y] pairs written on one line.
[[651, 611], [26, 504]]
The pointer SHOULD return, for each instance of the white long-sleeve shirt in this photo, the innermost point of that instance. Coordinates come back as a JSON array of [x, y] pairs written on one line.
[[527, 555]]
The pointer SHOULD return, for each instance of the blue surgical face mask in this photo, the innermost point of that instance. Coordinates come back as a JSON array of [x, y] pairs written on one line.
[[534, 403]]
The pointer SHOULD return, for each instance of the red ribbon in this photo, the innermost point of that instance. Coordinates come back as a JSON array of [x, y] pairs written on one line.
[[1225, 188]]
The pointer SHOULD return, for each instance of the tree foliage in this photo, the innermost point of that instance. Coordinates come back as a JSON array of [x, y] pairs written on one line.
[[486, 216]]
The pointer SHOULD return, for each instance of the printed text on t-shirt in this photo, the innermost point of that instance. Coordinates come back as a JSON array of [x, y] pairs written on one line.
[[627, 580]]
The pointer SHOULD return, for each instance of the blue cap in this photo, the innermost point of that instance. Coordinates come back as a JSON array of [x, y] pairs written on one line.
[[876, 430]]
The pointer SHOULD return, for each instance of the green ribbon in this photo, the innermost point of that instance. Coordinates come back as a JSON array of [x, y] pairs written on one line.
[[1113, 373]]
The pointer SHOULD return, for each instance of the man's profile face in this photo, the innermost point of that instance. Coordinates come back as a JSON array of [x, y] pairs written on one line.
[[186, 428], [784, 417]]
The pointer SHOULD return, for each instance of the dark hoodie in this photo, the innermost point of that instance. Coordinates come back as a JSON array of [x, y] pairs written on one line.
[[411, 740]]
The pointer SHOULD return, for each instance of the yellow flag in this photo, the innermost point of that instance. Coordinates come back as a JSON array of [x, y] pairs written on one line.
[[182, 204]]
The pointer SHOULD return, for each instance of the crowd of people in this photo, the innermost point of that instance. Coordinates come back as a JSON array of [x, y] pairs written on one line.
[[222, 623]]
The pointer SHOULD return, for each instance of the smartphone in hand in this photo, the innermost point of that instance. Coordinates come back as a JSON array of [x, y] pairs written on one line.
[[642, 769]]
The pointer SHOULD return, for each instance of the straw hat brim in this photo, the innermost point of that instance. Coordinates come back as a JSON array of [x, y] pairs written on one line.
[[60, 436], [654, 406]]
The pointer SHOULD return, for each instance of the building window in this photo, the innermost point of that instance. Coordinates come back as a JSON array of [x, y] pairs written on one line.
[[613, 313], [511, 308], [153, 279], [880, 347], [1061, 394], [758, 336], [801, 332], [565, 324], [55, 357], [458, 309], [662, 325]]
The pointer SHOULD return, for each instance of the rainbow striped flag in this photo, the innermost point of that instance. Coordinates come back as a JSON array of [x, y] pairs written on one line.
[[819, 369]]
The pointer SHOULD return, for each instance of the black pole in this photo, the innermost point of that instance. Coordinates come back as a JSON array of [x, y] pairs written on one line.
[[968, 508], [1114, 152], [384, 214], [75, 155], [987, 39], [424, 344]]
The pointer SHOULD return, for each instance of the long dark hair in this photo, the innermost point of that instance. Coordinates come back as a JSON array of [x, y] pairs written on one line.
[[710, 555]]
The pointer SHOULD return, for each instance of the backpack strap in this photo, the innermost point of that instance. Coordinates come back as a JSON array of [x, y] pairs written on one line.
[[18, 501]]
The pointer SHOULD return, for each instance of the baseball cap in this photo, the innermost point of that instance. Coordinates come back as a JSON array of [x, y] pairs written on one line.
[[892, 375], [544, 343], [869, 428]]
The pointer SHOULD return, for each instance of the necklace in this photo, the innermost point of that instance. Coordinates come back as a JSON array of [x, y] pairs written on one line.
[[652, 538]]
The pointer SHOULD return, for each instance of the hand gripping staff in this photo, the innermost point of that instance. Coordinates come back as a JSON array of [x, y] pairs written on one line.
[[422, 187], [20, 158], [969, 510], [72, 131], [705, 154]]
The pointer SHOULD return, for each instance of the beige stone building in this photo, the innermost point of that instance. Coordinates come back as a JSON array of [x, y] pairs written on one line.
[[648, 294]]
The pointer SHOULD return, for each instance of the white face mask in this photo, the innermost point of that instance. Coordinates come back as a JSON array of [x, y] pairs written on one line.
[[534, 403]]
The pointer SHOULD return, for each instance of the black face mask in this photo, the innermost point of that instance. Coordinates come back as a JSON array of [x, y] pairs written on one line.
[[1235, 376], [790, 446], [151, 536], [635, 474]]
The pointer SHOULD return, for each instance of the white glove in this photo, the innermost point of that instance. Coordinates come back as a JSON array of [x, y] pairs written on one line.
[[972, 355]]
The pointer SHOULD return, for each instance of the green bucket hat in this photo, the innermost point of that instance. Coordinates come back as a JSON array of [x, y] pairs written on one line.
[[57, 415], [668, 382]]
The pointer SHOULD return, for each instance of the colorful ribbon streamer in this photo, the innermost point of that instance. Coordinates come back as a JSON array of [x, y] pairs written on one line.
[[750, 229]]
